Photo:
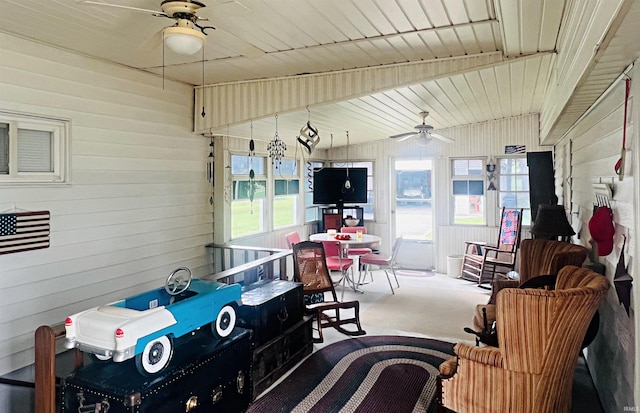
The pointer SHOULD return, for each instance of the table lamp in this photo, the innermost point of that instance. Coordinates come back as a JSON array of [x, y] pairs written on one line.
[[551, 223]]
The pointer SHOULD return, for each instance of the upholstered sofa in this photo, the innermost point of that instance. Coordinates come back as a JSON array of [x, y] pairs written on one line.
[[540, 334]]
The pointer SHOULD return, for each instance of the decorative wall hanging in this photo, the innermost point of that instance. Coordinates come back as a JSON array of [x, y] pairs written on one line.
[[513, 149], [619, 168], [252, 173], [309, 136], [210, 166], [491, 169], [622, 280], [23, 231], [276, 147]]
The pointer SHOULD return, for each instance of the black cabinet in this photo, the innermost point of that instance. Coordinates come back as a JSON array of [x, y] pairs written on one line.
[[541, 181]]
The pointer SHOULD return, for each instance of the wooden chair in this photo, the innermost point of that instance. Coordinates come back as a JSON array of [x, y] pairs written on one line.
[[316, 281], [537, 257], [482, 261], [385, 263], [540, 333]]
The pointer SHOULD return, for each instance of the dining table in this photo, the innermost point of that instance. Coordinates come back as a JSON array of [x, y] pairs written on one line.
[[353, 241], [367, 240]]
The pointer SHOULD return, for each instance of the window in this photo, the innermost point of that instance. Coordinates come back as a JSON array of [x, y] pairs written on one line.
[[514, 186], [249, 195], [33, 149], [311, 211], [467, 185], [368, 207], [286, 193]]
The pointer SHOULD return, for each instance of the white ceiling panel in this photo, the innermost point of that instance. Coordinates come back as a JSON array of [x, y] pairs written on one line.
[[262, 39]]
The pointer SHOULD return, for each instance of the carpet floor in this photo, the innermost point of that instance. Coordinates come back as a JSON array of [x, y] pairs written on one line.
[[427, 311], [371, 374]]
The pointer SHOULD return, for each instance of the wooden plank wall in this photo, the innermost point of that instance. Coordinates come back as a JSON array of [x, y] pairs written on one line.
[[136, 206], [594, 144]]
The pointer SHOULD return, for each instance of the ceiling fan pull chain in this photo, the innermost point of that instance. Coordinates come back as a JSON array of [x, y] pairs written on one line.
[[203, 112]]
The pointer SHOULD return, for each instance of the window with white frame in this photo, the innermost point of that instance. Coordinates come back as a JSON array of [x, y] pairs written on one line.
[[249, 193], [467, 189], [514, 185], [368, 207], [33, 149], [311, 211], [286, 193]]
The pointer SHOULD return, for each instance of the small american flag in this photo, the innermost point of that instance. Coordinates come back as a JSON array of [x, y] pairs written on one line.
[[24, 231]]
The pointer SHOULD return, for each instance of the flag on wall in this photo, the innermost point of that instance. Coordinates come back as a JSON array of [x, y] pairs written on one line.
[[24, 231]]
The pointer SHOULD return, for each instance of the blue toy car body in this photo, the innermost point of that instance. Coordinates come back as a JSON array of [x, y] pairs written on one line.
[[145, 325]]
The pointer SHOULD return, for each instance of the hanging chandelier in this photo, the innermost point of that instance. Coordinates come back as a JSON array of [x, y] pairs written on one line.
[[276, 147]]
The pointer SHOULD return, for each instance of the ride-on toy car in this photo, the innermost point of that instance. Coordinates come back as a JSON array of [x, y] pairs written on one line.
[[144, 326]]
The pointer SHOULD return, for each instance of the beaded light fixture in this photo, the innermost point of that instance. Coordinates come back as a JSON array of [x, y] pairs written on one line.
[[276, 147]]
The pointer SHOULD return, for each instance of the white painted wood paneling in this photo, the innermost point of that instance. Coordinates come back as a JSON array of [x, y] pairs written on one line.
[[595, 146], [591, 54], [136, 206], [482, 139]]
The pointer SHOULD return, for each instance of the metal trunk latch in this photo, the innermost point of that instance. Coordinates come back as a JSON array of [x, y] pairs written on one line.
[[216, 395], [99, 407], [240, 382], [191, 404]]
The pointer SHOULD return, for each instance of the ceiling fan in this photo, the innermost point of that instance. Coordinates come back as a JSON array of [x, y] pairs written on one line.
[[423, 133], [187, 36]]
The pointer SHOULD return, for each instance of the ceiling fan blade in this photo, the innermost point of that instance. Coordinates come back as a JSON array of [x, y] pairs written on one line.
[[442, 138], [152, 12], [405, 135], [152, 43]]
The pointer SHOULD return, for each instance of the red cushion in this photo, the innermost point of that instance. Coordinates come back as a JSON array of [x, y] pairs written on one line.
[[334, 263], [375, 259], [359, 251]]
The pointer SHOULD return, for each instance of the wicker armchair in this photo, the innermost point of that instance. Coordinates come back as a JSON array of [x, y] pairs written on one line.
[[537, 257], [540, 333]]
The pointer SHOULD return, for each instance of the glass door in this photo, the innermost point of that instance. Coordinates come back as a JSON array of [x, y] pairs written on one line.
[[412, 214]]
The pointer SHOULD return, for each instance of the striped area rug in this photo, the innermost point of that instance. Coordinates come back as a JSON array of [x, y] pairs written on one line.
[[375, 374]]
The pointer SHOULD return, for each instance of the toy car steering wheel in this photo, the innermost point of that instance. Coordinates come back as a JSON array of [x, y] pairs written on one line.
[[177, 281]]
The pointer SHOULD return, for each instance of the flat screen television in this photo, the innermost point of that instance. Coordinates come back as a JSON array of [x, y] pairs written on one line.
[[329, 186]]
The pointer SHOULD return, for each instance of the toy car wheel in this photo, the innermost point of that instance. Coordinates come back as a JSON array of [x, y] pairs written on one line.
[[101, 358], [225, 322], [155, 356]]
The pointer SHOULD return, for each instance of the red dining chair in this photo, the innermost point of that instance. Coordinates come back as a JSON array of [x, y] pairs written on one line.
[[383, 261], [292, 238], [357, 250], [337, 262]]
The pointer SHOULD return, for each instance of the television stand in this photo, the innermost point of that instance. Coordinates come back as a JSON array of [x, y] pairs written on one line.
[[333, 217]]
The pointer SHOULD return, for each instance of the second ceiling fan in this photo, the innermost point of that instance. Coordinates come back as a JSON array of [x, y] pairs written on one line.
[[423, 132]]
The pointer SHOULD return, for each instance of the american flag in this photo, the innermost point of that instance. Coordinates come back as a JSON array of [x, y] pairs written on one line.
[[24, 231]]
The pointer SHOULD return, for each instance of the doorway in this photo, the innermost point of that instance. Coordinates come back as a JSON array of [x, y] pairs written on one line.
[[412, 214]]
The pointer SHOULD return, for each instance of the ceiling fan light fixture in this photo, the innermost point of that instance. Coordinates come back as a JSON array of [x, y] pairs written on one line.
[[184, 39]]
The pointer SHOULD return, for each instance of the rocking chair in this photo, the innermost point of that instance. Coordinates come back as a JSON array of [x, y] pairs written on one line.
[[481, 261], [316, 281]]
